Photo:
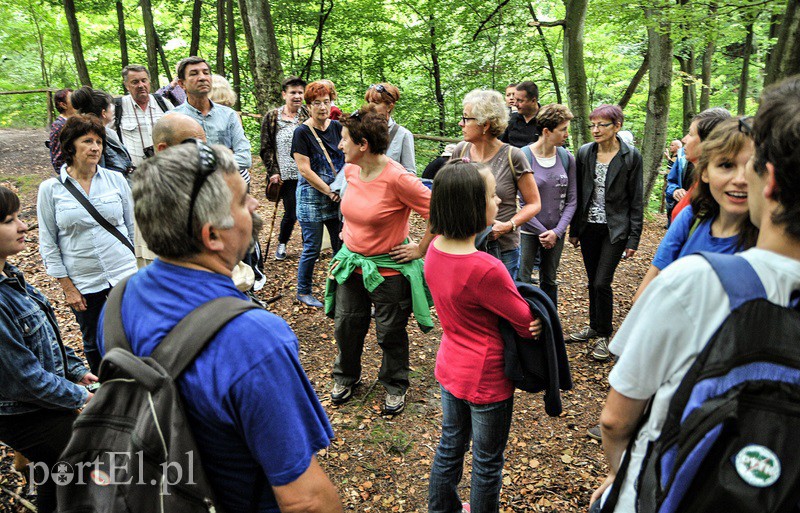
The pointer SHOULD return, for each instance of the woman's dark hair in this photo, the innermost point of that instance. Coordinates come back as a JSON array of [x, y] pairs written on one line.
[[78, 126], [60, 99], [9, 203], [458, 200], [708, 120], [725, 141], [91, 101], [366, 124]]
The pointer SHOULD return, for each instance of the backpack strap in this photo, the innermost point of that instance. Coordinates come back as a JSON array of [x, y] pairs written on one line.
[[113, 332], [737, 276], [182, 345], [161, 103], [563, 154], [526, 150]]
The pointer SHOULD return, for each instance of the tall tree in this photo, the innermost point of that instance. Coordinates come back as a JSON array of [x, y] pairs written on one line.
[[77, 47], [266, 62], [635, 81], [237, 79], [784, 59], [220, 69], [656, 123], [574, 70], [152, 44], [708, 54], [197, 11], [547, 54], [324, 13], [164, 61], [123, 34], [741, 105]]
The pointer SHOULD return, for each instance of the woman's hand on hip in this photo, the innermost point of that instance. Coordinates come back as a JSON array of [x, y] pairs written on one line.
[[406, 252]]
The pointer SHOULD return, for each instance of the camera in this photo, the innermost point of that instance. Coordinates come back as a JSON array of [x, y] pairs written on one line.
[[149, 152], [93, 387]]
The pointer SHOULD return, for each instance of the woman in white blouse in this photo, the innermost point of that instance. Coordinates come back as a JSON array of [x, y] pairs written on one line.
[[86, 257]]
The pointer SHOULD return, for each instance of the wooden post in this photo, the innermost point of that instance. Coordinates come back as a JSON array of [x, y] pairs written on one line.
[[49, 107]]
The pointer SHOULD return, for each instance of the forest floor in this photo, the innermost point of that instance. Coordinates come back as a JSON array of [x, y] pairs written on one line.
[[382, 464]]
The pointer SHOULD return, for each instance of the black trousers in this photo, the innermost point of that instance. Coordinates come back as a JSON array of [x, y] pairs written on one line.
[[392, 300], [40, 436], [289, 198], [600, 258], [87, 320]]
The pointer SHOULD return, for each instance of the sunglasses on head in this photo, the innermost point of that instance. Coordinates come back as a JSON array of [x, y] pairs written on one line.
[[208, 163], [383, 90]]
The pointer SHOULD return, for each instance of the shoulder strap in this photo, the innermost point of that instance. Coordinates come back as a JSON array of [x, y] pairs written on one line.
[[737, 276], [182, 345], [511, 164], [118, 116], [698, 220], [392, 133], [321, 145], [113, 332], [102, 221], [161, 103], [563, 154]]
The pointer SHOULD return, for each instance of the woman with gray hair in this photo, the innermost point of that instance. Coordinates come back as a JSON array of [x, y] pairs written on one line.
[[483, 120]]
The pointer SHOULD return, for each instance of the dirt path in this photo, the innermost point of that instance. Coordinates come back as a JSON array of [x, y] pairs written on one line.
[[381, 464]]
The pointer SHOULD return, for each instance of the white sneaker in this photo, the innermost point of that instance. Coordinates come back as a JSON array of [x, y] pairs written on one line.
[[280, 253]]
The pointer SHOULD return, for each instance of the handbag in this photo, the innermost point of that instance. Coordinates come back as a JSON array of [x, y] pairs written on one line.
[[273, 191], [97, 216]]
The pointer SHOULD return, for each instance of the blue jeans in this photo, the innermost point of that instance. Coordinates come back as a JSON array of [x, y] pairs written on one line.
[[510, 259], [312, 242], [488, 425]]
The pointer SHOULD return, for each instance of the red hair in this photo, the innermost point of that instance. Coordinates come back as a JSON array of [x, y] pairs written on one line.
[[316, 90]]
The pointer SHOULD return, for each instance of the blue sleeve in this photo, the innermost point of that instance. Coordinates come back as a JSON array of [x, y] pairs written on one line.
[[672, 243], [282, 421], [241, 145], [673, 180], [300, 141]]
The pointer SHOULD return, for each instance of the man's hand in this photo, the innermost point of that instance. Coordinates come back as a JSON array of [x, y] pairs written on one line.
[[601, 490], [536, 327], [88, 379], [629, 253], [406, 252], [75, 299], [679, 194], [548, 239]]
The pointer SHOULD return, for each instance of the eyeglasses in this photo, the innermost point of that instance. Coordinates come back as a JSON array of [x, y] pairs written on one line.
[[318, 104], [598, 125], [464, 119], [208, 163], [746, 125], [383, 90]]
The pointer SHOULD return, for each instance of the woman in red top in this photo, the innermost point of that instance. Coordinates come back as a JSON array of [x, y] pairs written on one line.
[[471, 291]]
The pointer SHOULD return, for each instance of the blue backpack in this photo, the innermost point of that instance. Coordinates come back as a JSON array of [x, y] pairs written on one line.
[[727, 443]]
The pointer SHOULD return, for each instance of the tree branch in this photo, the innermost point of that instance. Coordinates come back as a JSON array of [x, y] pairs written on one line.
[[323, 17], [488, 19], [556, 23]]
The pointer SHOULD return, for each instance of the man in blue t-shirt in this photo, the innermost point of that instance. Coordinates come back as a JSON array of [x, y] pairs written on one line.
[[255, 416]]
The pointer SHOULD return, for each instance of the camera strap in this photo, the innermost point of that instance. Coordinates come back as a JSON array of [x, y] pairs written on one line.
[[97, 216], [139, 125]]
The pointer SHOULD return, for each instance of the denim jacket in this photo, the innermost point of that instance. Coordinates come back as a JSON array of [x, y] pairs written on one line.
[[36, 370]]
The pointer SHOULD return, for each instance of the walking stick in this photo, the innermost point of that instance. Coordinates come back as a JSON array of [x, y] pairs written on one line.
[[274, 217]]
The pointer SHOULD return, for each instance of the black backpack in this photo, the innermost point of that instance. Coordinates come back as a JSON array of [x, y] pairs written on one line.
[[727, 443], [131, 449], [118, 111]]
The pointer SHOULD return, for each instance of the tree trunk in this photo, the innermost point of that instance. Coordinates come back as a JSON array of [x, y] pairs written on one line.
[[163, 56], [657, 120], [437, 77], [574, 70], [237, 79], [705, 92], [150, 37], [743, 82], [123, 34], [323, 17], [689, 90], [197, 12], [266, 62], [77, 47], [784, 58], [220, 68], [547, 54], [637, 79], [34, 16]]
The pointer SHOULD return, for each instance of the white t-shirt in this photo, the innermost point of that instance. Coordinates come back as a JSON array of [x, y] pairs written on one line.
[[655, 351]]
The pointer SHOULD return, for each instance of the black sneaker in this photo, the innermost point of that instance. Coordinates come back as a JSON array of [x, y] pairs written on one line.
[[343, 393], [394, 404], [594, 433], [600, 351], [584, 335]]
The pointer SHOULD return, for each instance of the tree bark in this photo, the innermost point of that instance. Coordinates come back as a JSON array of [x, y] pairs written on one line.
[[266, 62], [574, 70], [197, 11], [123, 34], [688, 86], [77, 47], [150, 37], [163, 56], [657, 119], [220, 68], [784, 58], [237, 79], [637, 79], [705, 92], [547, 53], [745, 77], [437, 77]]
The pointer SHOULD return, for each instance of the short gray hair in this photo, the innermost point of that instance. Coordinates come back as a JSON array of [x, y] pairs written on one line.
[[161, 193], [488, 106], [136, 68]]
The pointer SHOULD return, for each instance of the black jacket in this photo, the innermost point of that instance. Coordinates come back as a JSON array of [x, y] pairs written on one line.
[[536, 365], [624, 202]]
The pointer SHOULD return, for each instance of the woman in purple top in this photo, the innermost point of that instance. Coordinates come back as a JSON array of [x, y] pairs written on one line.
[[554, 171]]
